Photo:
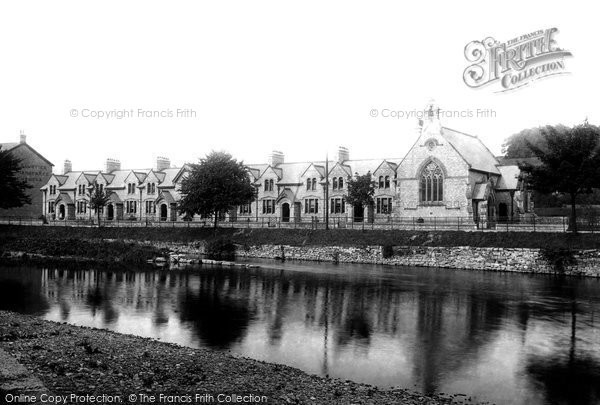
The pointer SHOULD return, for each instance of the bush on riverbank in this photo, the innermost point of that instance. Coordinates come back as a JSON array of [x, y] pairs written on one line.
[[220, 249], [305, 237]]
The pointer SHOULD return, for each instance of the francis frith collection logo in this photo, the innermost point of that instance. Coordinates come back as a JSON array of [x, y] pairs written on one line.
[[515, 63]]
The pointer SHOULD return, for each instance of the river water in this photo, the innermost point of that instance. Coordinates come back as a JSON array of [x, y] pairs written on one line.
[[498, 337]]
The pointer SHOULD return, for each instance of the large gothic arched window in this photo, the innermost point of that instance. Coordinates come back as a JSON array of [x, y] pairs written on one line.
[[431, 185]]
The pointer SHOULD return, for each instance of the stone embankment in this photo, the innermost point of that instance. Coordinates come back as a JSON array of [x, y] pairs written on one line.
[[522, 260]]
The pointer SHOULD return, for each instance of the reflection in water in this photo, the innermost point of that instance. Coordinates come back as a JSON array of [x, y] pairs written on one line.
[[505, 338]]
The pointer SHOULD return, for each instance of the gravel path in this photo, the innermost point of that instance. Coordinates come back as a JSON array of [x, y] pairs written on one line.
[[85, 361]]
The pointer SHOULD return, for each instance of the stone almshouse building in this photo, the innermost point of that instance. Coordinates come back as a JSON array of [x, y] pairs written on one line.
[[446, 173], [135, 194]]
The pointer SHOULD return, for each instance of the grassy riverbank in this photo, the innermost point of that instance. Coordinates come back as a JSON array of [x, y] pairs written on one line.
[[84, 361], [41, 247], [301, 237]]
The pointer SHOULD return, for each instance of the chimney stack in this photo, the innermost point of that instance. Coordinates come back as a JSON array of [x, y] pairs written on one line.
[[343, 154], [112, 165], [162, 163], [23, 137], [276, 158], [68, 167]]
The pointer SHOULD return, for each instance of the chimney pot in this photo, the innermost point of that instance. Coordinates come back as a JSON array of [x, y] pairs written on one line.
[[343, 154], [112, 165], [162, 163], [68, 166], [276, 158], [23, 137]]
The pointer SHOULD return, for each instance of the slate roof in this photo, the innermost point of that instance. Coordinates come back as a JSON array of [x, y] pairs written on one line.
[[169, 176], [165, 195], [260, 168], [472, 150], [286, 193], [12, 145], [118, 180], [64, 197], [479, 191], [509, 178], [70, 182], [8, 145], [291, 172]]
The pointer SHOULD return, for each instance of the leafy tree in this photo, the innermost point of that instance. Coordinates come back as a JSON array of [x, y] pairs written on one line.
[[361, 190], [217, 184], [517, 145], [570, 162], [13, 189], [98, 200]]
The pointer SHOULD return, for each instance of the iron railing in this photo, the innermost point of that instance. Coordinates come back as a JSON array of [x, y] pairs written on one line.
[[529, 223]]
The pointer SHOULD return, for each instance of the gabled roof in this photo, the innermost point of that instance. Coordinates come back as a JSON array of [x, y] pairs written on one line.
[[64, 197], [170, 176], [12, 145], [114, 197], [59, 178], [91, 177], [342, 166], [108, 177], [260, 168], [509, 179], [118, 180], [278, 172], [286, 193], [317, 166], [141, 176], [159, 176], [69, 183], [165, 195], [5, 146], [472, 150], [480, 191], [183, 170], [137, 174], [391, 165]]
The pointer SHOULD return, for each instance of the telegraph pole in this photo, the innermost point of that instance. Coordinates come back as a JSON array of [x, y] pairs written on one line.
[[326, 191]]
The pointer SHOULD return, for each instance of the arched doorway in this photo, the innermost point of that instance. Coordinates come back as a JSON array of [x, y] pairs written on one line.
[[61, 211], [163, 212], [110, 212], [359, 213], [285, 212], [502, 212]]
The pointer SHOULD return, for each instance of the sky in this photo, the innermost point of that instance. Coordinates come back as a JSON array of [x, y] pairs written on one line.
[[250, 77]]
